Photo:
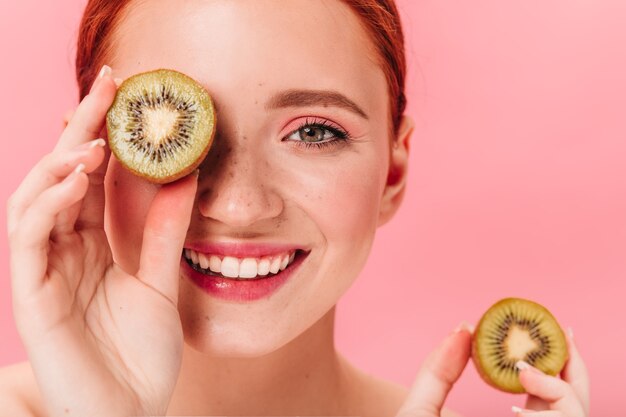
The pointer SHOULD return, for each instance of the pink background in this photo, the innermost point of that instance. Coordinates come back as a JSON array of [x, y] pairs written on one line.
[[517, 184]]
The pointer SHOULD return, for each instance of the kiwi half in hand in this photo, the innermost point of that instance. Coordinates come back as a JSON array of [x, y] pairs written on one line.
[[515, 329], [161, 125]]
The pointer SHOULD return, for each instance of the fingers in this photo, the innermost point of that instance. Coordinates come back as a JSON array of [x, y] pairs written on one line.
[[559, 395], [85, 126], [438, 374], [575, 372], [51, 170], [89, 117], [30, 239], [164, 236]]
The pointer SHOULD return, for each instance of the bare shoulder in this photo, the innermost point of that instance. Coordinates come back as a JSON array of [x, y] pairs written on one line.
[[19, 395], [381, 397]]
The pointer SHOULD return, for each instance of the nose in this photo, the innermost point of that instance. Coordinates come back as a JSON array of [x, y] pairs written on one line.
[[235, 187]]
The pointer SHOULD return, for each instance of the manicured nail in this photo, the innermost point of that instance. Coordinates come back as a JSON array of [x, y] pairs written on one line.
[[105, 70], [516, 409], [570, 333], [80, 168], [464, 326], [521, 365], [98, 142], [90, 145]]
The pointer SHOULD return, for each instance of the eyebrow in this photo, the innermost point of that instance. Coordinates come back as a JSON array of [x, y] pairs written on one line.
[[303, 98]]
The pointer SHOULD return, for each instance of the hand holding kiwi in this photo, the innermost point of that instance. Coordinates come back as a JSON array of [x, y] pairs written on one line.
[[101, 341]]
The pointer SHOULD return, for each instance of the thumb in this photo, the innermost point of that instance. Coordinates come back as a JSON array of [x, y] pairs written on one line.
[[164, 236], [440, 371]]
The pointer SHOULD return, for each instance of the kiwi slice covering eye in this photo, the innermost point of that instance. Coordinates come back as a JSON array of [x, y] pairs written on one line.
[[515, 329], [161, 125]]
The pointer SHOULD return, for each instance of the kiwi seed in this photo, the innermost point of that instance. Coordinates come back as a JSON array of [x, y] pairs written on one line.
[[161, 125], [515, 329]]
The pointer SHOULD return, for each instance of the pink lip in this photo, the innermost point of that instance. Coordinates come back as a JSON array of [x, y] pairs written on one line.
[[241, 250], [241, 290]]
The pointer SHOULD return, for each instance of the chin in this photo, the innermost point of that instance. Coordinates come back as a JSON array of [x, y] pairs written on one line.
[[229, 340]]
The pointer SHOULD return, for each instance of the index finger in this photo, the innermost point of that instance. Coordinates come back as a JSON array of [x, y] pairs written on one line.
[[88, 119], [440, 371]]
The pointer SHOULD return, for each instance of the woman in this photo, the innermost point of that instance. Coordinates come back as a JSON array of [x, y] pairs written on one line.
[[310, 157]]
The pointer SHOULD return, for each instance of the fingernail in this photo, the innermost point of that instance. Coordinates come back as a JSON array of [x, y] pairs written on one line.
[[98, 142], [105, 70], [80, 168], [521, 365], [118, 81], [90, 145], [464, 326], [570, 333], [516, 409]]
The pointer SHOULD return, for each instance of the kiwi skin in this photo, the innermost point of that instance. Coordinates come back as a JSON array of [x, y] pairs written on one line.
[[206, 124], [480, 343]]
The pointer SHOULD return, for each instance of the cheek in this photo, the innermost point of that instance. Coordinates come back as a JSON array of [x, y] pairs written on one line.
[[343, 198], [128, 199]]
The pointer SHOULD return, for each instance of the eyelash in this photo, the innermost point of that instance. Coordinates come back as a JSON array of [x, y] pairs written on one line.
[[340, 136]]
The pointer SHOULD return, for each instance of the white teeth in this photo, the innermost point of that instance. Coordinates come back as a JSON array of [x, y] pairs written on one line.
[[215, 264], [264, 267], [233, 267], [203, 260], [248, 268], [230, 267], [275, 266]]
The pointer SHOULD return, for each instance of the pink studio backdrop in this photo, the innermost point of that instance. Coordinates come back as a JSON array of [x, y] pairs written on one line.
[[517, 184]]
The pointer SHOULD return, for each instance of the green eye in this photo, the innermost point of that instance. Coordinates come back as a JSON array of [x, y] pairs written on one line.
[[317, 133]]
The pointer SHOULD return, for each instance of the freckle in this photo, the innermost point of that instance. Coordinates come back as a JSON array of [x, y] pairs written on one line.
[[245, 137], [261, 84], [67, 410], [115, 183], [306, 376], [207, 318]]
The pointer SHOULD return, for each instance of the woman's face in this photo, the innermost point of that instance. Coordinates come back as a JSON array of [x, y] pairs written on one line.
[[272, 67]]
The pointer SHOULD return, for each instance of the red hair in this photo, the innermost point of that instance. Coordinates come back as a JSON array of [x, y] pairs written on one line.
[[380, 19]]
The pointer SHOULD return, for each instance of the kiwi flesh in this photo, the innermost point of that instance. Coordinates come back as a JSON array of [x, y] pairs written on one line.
[[161, 125], [515, 329]]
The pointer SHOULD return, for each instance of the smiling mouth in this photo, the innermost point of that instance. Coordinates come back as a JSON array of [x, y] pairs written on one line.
[[241, 269]]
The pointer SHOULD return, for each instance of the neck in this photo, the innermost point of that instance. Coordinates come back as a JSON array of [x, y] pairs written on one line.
[[306, 376]]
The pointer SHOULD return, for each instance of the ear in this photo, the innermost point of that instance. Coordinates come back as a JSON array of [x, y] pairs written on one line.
[[67, 117], [398, 170]]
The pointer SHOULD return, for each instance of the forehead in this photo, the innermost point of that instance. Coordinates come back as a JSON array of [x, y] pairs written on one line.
[[241, 44]]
